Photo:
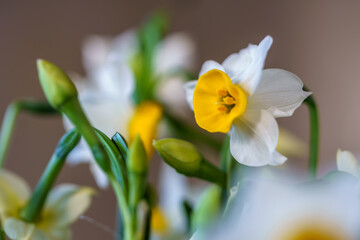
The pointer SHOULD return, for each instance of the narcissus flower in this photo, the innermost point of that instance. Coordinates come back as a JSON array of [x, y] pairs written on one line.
[[106, 96], [240, 98], [275, 210], [63, 206]]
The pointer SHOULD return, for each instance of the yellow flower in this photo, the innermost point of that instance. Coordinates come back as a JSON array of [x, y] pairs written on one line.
[[63, 206], [240, 98], [144, 122]]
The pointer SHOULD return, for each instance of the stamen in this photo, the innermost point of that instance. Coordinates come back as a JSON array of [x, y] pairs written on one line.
[[222, 92], [229, 100], [222, 108]]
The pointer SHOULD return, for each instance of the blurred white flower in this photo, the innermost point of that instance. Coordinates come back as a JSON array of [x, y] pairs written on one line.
[[106, 95], [346, 162], [240, 98], [277, 211], [63, 206]]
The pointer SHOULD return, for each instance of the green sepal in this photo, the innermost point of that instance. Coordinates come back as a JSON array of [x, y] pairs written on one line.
[[121, 144], [33, 208], [117, 163], [186, 159]]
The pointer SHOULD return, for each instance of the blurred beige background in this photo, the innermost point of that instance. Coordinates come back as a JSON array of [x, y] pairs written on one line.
[[316, 40]]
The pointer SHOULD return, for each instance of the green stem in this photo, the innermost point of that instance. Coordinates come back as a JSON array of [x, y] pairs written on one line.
[[314, 136], [72, 109], [124, 208], [34, 206], [11, 114]]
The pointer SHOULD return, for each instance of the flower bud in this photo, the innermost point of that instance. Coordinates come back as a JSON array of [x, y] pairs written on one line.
[[137, 169], [138, 160], [56, 84], [186, 159]]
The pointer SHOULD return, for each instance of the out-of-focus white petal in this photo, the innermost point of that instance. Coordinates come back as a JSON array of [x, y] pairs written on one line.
[[253, 139], [19, 230], [107, 113], [99, 175], [58, 233], [173, 189], [245, 67], [115, 78], [175, 52], [14, 192], [65, 204], [189, 88], [95, 51], [124, 46], [347, 162], [210, 64], [279, 92]]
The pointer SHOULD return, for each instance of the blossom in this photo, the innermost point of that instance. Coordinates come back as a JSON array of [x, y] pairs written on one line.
[[63, 206], [238, 97], [274, 210], [106, 95], [346, 162]]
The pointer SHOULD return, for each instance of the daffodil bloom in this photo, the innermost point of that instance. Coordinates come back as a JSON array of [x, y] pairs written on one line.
[[106, 95], [63, 206], [240, 98], [347, 162], [274, 210]]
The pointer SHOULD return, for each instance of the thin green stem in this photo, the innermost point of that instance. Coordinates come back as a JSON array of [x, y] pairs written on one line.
[[2, 233], [11, 114], [124, 208], [34, 206], [314, 136]]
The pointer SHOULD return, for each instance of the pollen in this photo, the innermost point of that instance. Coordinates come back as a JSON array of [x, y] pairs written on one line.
[[229, 100], [222, 92], [222, 108]]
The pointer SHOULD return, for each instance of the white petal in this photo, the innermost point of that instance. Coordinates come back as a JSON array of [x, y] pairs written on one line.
[[66, 203], [253, 139], [190, 88], [347, 162], [175, 52], [116, 78], [99, 175], [14, 192], [173, 189], [246, 66], [95, 51], [279, 92], [208, 65], [80, 154], [19, 230], [107, 113], [124, 46]]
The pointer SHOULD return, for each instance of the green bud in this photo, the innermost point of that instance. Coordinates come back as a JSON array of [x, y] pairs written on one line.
[[56, 84], [186, 159], [181, 155], [137, 169], [208, 208], [138, 160]]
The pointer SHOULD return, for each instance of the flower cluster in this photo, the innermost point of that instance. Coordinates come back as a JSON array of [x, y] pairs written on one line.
[[127, 108]]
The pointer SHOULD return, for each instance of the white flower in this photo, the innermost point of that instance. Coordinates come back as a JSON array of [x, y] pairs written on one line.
[[107, 95], [277, 211], [63, 206], [346, 162], [240, 98]]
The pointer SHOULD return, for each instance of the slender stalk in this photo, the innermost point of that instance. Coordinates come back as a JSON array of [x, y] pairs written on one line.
[[314, 136], [125, 210], [34, 206], [11, 114], [2, 233]]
